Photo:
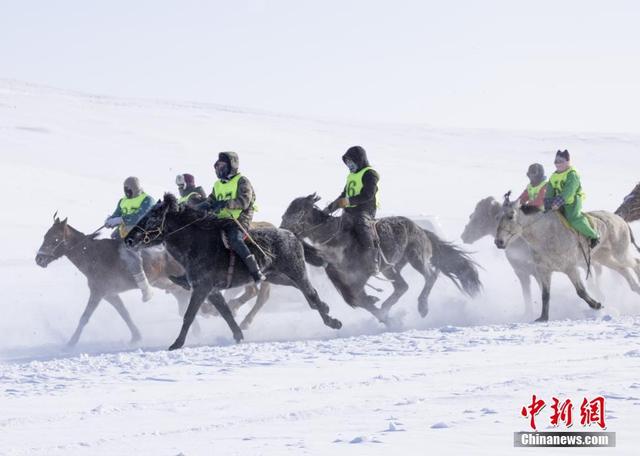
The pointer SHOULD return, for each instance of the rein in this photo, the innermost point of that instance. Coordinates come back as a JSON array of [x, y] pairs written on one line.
[[313, 228]]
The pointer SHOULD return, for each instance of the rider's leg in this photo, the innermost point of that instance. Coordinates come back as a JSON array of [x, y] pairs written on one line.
[[363, 228], [579, 221], [237, 244], [133, 261]]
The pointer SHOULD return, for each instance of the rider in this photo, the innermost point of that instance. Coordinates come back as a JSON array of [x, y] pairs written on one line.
[[232, 199], [564, 192], [360, 200], [533, 195], [189, 193], [130, 209]]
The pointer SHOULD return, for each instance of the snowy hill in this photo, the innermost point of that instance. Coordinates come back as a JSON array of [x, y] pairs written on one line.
[[70, 152]]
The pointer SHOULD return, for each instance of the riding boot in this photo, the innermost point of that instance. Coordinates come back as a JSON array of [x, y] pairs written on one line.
[[143, 284], [181, 281], [252, 265]]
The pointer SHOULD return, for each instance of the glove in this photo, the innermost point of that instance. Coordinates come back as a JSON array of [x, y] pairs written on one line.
[[216, 206], [342, 202], [112, 222], [557, 203]]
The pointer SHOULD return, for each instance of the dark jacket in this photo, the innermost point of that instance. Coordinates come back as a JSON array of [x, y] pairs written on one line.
[[365, 202], [245, 198], [196, 195]]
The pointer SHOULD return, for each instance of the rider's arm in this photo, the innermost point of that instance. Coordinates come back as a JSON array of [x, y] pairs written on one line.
[[134, 218], [244, 198], [524, 197], [369, 188], [571, 186]]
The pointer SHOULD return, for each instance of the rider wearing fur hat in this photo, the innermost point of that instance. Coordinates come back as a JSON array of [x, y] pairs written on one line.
[[564, 192], [130, 209], [533, 195], [233, 199], [359, 200], [189, 193]]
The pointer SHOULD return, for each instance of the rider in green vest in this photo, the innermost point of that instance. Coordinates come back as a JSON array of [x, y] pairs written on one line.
[[233, 199], [189, 193], [359, 200], [564, 192], [533, 195], [130, 209]]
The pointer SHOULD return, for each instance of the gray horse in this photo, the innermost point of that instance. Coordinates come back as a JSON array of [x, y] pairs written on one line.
[[556, 248], [484, 222]]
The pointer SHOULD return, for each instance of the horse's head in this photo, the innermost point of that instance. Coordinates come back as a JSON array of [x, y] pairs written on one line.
[[483, 221], [151, 229], [508, 224], [301, 214], [54, 244], [630, 207]]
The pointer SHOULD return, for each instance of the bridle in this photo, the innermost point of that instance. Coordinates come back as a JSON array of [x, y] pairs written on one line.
[[155, 233], [299, 220]]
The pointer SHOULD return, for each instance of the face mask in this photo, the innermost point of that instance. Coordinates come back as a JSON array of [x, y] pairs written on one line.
[[351, 165], [222, 169], [180, 181], [128, 192]]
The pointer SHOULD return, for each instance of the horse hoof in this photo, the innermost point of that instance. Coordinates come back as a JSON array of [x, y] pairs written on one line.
[[335, 323], [238, 338], [175, 346], [542, 320], [596, 306], [244, 325], [135, 339]]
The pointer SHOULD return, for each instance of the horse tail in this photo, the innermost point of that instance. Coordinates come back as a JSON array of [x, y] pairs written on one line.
[[312, 255], [456, 264], [633, 239]]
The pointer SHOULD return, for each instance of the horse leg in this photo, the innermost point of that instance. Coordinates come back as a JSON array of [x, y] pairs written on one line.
[[354, 299], [250, 292], [199, 293], [221, 306], [544, 278], [400, 287], [623, 270], [574, 276], [525, 284], [117, 304], [94, 300], [595, 279], [263, 295]]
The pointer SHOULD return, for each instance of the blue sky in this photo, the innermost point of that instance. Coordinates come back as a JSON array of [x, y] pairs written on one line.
[[557, 65]]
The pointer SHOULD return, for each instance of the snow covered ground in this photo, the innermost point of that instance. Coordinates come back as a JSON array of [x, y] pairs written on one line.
[[451, 383]]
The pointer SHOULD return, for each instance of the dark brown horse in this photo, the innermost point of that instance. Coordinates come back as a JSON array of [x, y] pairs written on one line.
[[629, 210], [107, 276]]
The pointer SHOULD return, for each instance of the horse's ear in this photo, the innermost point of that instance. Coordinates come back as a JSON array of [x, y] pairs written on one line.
[[55, 217], [314, 197], [507, 199], [64, 222]]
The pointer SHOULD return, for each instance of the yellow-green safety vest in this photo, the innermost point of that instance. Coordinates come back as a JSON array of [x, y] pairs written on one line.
[[228, 190], [130, 206], [557, 181], [185, 198], [534, 191], [354, 185]]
